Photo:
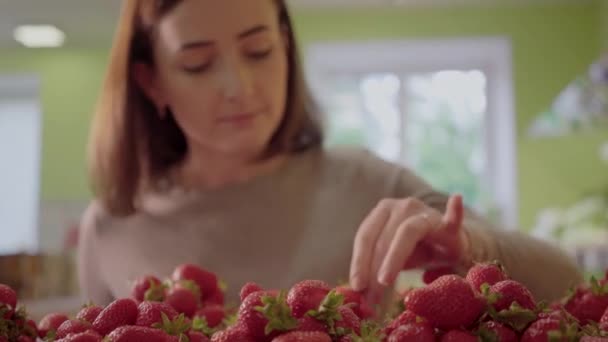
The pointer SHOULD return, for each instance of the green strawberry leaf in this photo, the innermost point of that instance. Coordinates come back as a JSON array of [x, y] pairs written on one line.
[[516, 317], [278, 313]]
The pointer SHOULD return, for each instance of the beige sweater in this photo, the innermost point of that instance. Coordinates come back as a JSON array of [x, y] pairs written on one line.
[[297, 223]]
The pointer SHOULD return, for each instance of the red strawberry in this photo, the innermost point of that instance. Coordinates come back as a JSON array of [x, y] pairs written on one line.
[[494, 331], [448, 303], [264, 315], [147, 287], [8, 300], [308, 323], [485, 273], [150, 313], [206, 281], [89, 313], [88, 336], [50, 323], [24, 338], [604, 320], [182, 299], [538, 331], [459, 336], [232, 334], [406, 317], [306, 295], [248, 289], [213, 314], [195, 336], [593, 339], [431, 274], [303, 336], [133, 333], [30, 329], [349, 323], [120, 312], [354, 299], [72, 326], [589, 303], [422, 332], [216, 298], [510, 291]]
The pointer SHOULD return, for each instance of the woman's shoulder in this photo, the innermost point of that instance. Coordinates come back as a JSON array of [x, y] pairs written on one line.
[[360, 160]]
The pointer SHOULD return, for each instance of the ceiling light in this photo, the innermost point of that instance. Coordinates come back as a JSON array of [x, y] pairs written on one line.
[[39, 36]]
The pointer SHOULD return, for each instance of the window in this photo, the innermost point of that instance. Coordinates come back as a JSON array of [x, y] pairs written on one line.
[[19, 164], [441, 107]]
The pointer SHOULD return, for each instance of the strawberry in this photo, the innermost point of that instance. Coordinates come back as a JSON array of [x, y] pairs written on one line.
[[540, 330], [50, 323], [406, 317], [206, 281], [308, 323], [303, 336], [264, 315], [87, 336], [213, 314], [485, 273], [8, 301], [232, 334], [593, 339], [510, 291], [355, 300], [494, 331], [604, 320], [147, 287], [24, 338], [117, 314], [72, 326], [182, 299], [349, 322], [421, 331], [306, 295], [195, 336], [589, 304], [248, 289], [150, 313], [431, 274], [89, 313], [459, 336], [217, 298], [448, 303], [133, 333], [30, 329]]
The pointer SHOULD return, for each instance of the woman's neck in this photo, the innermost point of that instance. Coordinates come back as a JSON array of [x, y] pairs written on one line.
[[208, 171]]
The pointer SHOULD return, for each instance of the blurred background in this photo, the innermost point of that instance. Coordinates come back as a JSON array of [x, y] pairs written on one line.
[[504, 101]]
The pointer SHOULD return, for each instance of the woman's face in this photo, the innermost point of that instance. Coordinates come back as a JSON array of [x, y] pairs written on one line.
[[221, 67]]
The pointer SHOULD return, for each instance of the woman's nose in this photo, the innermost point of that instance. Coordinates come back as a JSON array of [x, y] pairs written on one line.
[[237, 83]]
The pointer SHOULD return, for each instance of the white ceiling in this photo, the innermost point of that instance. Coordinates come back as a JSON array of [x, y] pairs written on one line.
[[87, 22]]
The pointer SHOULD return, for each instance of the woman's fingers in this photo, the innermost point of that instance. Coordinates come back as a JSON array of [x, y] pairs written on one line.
[[365, 241], [409, 235]]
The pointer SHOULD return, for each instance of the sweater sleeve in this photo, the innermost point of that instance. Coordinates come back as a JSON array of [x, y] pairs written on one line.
[[545, 269], [92, 285]]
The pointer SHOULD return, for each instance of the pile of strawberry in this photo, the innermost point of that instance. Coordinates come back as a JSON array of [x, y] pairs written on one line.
[[488, 306], [485, 305], [189, 306], [14, 324], [310, 311]]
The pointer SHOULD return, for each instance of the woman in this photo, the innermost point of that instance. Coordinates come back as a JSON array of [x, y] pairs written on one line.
[[206, 149]]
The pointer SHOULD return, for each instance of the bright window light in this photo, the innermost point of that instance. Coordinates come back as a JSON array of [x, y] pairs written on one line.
[[39, 36]]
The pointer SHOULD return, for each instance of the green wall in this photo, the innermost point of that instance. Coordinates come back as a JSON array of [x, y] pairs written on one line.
[[551, 45], [70, 80]]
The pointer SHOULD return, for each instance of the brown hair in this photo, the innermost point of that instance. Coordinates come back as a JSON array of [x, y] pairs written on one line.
[[131, 147]]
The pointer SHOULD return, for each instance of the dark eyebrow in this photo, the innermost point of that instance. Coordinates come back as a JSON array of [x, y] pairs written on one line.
[[206, 43]]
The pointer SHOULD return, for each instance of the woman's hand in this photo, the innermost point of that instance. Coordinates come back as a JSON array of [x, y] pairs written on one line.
[[402, 234]]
